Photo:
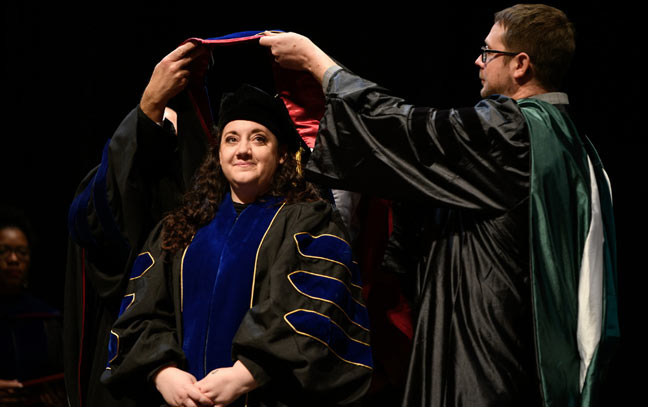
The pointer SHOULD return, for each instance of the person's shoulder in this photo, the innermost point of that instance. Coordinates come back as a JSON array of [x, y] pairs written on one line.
[[314, 214], [28, 304], [314, 218], [153, 243], [318, 207], [498, 102], [500, 111], [158, 230]]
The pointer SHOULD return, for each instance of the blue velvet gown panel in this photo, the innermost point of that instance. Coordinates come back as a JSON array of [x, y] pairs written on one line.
[[217, 278]]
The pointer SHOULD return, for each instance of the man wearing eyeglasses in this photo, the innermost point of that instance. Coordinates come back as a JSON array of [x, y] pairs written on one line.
[[513, 262]]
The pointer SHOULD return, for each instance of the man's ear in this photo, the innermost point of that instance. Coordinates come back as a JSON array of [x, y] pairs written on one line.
[[521, 66]]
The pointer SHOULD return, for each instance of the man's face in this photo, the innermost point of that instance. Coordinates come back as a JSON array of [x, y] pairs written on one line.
[[495, 73], [14, 258]]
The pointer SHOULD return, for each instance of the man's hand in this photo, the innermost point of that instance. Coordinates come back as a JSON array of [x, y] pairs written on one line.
[[171, 75], [178, 388], [294, 51], [225, 385]]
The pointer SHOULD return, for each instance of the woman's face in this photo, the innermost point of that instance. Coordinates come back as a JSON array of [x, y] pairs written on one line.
[[249, 156], [14, 258]]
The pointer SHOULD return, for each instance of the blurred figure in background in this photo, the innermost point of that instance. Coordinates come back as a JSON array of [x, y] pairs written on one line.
[[31, 365]]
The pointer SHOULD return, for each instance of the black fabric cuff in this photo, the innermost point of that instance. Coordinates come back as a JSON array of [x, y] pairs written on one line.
[[153, 139], [261, 377]]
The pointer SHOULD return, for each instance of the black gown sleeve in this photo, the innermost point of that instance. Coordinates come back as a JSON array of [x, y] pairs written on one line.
[[369, 141], [121, 200], [146, 336], [306, 338]]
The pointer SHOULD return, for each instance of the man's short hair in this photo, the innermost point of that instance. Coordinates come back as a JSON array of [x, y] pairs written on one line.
[[545, 34]]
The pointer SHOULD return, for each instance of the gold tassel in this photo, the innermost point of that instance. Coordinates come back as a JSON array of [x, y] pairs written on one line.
[[298, 156]]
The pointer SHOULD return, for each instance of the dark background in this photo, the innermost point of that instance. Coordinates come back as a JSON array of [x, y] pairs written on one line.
[[71, 74]]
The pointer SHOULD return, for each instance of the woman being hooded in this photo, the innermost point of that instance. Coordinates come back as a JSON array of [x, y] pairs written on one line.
[[247, 293]]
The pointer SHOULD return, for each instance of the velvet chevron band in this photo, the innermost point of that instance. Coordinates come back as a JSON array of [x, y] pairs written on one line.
[[331, 248], [332, 290], [324, 330]]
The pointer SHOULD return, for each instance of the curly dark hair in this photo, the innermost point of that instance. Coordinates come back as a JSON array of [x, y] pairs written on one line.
[[209, 187]]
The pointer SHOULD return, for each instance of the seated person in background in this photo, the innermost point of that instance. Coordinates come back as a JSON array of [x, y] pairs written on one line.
[[248, 292], [30, 329]]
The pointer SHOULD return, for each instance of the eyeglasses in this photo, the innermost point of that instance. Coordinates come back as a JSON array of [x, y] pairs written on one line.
[[485, 51], [22, 252]]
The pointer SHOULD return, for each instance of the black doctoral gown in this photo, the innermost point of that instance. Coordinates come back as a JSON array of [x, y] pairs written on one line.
[[463, 178], [304, 332]]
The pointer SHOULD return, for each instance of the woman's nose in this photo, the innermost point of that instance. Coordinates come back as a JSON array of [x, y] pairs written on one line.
[[243, 147]]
